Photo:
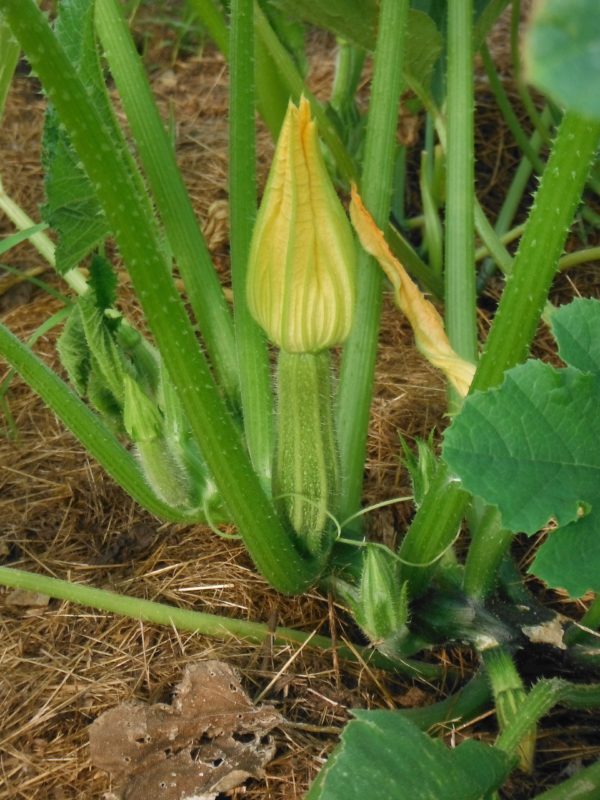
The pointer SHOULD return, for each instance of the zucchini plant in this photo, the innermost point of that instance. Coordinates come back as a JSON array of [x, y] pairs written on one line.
[[193, 425]]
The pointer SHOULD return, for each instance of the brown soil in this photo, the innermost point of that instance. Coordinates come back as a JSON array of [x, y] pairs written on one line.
[[63, 665]]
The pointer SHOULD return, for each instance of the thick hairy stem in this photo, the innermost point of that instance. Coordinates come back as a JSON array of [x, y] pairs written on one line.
[[306, 470]]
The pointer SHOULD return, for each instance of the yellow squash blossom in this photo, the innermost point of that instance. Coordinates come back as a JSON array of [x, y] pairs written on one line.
[[301, 271]]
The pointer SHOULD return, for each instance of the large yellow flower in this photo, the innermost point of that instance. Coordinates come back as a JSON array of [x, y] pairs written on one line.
[[301, 273]]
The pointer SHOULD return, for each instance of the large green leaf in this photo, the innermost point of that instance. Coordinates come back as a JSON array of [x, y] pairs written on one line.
[[356, 20], [383, 755], [576, 328], [562, 51], [570, 557], [424, 45], [530, 447], [71, 208]]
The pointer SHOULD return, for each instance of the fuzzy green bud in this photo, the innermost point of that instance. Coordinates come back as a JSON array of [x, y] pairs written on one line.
[[302, 264], [141, 418], [162, 468], [382, 610], [422, 467]]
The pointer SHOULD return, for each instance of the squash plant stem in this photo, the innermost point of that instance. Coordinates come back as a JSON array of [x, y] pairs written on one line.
[[358, 358], [459, 271], [173, 203], [253, 362], [513, 329], [268, 543], [200, 622]]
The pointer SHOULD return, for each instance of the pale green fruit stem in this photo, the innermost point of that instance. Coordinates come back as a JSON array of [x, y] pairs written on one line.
[[509, 695], [306, 468]]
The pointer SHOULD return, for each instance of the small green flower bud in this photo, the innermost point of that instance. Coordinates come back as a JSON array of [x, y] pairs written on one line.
[[162, 468], [422, 467], [382, 601], [302, 264], [141, 418]]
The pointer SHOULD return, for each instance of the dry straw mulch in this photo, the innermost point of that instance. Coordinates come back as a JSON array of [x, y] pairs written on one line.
[[62, 665]]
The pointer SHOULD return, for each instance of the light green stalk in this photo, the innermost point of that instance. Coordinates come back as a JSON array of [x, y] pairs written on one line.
[[198, 621], [42, 243], [509, 695], [584, 785], [267, 541], [460, 310], [253, 363], [173, 203], [358, 358], [516, 320]]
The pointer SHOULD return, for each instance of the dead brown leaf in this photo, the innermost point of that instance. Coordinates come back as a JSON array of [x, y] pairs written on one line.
[[210, 740]]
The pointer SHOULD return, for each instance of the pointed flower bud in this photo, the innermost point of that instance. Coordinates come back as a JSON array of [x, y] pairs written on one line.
[[382, 601], [141, 418], [161, 466], [301, 271]]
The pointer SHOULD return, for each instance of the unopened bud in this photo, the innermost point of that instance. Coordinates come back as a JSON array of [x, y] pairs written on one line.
[[301, 271], [141, 418], [162, 468], [382, 601]]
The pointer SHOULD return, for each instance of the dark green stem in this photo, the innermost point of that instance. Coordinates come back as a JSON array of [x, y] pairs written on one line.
[[584, 785], [525, 96], [512, 200], [358, 358], [486, 20], [414, 264], [268, 543], [459, 273], [173, 203], [253, 363], [518, 314], [540, 700], [508, 113], [509, 695]]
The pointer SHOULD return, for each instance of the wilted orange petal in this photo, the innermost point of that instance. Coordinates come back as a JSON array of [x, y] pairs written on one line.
[[427, 325]]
